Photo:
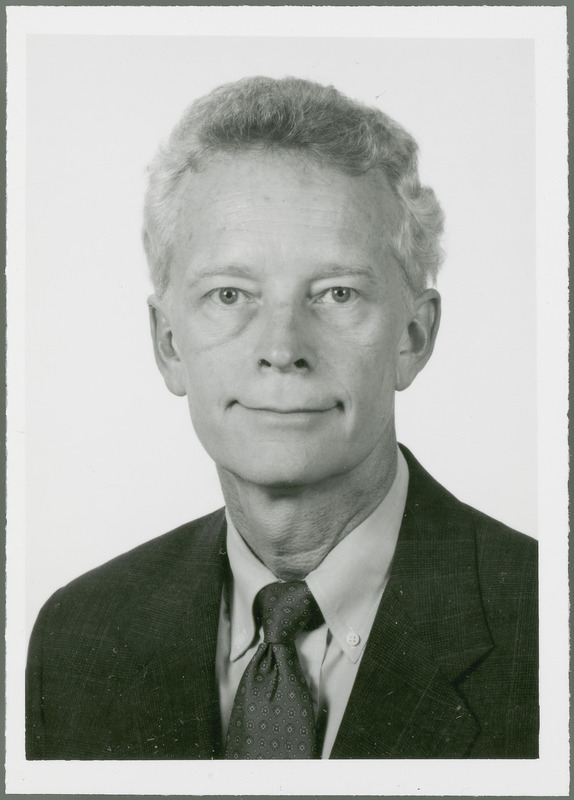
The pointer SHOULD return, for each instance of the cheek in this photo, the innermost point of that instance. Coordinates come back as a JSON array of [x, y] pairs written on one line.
[[204, 376], [371, 351], [372, 383], [211, 378]]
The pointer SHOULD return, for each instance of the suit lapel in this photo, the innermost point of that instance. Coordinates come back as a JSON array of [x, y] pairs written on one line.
[[175, 708], [428, 632], [401, 705]]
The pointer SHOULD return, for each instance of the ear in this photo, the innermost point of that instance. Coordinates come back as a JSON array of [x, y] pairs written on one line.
[[418, 339], [165, 349]]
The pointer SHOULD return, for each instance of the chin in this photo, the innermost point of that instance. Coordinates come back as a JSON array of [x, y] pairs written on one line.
[[280, 471]]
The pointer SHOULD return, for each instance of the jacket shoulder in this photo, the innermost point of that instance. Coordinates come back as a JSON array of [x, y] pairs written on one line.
[[507, 564], [193, 541], [442, 506], [117, 589], [96, 639], [506, 560]]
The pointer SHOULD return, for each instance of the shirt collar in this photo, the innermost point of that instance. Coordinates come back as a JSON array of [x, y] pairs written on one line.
[[347, 585]]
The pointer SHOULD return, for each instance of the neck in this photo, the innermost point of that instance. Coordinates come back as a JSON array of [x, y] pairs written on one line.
[[292, 528]]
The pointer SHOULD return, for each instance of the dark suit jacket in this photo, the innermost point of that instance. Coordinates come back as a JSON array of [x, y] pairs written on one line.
[[121, 661]]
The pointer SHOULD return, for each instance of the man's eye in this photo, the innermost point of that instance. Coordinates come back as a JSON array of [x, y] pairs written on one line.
[[338, 294], [228, 295]]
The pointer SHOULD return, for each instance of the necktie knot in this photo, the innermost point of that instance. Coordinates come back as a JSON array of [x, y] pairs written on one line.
[[286, 610]]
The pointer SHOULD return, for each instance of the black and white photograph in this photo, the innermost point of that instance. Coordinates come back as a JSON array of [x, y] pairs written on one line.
[[287, 393]]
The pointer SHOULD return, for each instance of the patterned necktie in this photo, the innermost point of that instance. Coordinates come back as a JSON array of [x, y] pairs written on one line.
[[272, 714]]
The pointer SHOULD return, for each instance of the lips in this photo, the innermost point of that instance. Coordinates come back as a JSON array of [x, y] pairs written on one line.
[[291, 410], [294, 409]]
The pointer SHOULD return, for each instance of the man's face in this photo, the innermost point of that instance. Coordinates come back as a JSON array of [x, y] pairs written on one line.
[[284, 322]]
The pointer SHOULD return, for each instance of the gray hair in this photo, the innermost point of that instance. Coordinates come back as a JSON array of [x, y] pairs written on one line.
[[297, 115]]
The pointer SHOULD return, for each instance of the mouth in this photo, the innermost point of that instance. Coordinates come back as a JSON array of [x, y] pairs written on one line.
[[290, 410], [300, 416]]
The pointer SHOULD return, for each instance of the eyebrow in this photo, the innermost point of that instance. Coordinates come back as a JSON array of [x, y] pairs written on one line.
[[343, 271], [214, 272], [317, 272]]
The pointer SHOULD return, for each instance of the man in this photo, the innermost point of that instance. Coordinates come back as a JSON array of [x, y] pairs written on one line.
[[343, 605]]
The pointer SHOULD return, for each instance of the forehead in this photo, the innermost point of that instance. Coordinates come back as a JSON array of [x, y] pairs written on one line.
[[277, 198]]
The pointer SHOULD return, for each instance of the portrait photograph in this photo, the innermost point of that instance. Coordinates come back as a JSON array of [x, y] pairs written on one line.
[[287, 401]]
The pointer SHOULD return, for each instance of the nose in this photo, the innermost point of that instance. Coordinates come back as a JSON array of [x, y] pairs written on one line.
[[284, 343]]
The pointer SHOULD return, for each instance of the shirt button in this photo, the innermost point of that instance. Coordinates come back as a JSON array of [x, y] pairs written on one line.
[[352, 638]]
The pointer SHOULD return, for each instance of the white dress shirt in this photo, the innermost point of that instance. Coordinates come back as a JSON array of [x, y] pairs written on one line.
[[347, 585]]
